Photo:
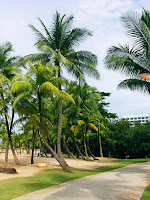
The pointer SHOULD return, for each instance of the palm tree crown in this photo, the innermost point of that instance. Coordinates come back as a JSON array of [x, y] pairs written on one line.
[[135, 60], [58, 44]]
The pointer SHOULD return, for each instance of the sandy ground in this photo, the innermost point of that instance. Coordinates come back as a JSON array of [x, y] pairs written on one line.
[[26, 169]]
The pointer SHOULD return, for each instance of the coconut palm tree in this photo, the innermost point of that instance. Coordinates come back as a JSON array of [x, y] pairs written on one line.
[[39, 85], [8, 68], [133, 60], [84, 112], [58, 45]]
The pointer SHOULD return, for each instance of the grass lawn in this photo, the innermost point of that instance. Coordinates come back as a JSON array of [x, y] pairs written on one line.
[[146, 194], [15, 187]]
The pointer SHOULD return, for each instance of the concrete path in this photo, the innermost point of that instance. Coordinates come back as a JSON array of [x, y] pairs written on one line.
[[121, 184]]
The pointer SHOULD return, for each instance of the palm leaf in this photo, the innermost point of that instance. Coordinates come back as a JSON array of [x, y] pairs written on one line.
[[135, 84], [132, 22], [21, 86]]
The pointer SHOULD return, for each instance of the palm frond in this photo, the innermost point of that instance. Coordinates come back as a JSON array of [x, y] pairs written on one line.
[[19, 97], [129, 62], [20, 86], [71, 66], [48, 88], [66, 96], [91, 125], [41, 39], [132, 22], [135, 84]]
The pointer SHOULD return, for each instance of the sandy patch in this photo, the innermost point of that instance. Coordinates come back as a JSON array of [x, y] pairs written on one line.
[[26, 169]]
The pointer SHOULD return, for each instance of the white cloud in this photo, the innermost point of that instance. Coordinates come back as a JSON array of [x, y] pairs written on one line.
[[100, 16]]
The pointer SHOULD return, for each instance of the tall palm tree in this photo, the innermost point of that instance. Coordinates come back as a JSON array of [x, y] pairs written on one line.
[[133, 60], [40, 84], [58, 44]]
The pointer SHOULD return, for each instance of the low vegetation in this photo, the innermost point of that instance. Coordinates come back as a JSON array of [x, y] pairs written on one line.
[[11, 188]]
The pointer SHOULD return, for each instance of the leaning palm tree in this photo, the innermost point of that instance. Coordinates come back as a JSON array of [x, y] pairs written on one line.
[[133, 60], [39, 82], [58, 45]]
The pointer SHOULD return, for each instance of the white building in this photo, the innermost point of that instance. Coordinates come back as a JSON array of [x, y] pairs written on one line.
[[138, 118]]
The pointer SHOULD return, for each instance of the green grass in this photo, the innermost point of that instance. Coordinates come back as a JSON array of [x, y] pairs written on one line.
[[146, 194], [15, 187]]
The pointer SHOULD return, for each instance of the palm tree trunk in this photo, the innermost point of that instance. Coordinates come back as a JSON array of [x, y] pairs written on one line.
[[45, 142], [85, 148], [13, 151], [92, 154], [79, 151], [6, 152], [59, 135], [10, 139], [100, 144], [88, 147], [9, 129], [55, 148], [33, 145], [67, 149]]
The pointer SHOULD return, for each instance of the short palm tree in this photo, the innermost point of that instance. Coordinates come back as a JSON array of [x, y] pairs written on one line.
[[135, 60], [58, 45]]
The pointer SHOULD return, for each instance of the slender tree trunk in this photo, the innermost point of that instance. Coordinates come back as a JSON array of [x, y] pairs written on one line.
[[6, 152], [19, 145], [45, 142], [67, 149], [79, 151], [10, 139], [13, 151], [85, 148], [92, 154], [9, 129], [100, 144], [88, 147], [33, 145], [55, 148], [40, 142], [59, 135], [9, 136]]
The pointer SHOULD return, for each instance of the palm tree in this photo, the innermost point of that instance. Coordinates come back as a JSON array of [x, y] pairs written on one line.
[[58, 45], [84, 112], [40, 85], [8, 68], [134, 60]]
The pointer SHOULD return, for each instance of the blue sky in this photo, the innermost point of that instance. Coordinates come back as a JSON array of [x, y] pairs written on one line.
[[100, 16]]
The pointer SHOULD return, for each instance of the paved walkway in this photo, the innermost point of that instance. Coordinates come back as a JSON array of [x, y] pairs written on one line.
[[121, 184]]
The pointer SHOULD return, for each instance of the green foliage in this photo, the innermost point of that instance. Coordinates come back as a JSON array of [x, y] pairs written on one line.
[[133, 60], [11, 188], [146, 194]]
